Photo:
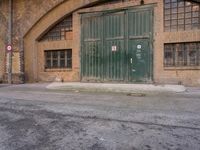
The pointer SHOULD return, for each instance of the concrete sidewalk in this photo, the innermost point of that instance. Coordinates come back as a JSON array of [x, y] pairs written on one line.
[[116, 88]]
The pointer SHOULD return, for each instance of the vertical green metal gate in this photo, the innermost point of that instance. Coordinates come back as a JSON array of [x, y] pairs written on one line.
[[117, 46]]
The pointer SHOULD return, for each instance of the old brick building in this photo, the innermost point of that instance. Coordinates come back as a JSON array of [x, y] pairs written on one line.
[[150, 41]]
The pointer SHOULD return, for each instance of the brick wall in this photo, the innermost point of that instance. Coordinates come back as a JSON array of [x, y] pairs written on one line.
[[3, 35], [25, 15]]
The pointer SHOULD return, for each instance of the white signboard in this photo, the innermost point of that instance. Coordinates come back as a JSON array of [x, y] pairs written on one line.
[[139, 46], [114, 48]]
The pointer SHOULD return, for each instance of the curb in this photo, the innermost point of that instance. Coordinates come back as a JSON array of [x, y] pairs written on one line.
[[116, 88]]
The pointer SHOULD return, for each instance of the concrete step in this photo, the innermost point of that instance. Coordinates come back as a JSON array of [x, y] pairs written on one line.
[[118, 88]]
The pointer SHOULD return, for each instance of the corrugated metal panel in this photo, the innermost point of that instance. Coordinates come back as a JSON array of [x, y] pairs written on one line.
[[140, 23], [92, 53], [114, 51], [109, 42], [139, 49]]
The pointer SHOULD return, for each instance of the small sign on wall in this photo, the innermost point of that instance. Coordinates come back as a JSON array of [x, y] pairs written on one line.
[[114, 48], [139, 46], [9, 48]]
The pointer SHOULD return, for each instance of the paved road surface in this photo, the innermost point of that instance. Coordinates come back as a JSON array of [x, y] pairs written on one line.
[[34, 118]]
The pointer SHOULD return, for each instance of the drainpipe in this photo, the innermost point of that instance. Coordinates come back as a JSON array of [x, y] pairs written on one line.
[[10, 42]]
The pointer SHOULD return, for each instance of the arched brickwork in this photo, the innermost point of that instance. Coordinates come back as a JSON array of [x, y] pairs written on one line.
[[30, 38]]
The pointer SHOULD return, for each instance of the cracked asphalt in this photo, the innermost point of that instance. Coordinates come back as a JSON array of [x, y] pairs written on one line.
[[34, 118]]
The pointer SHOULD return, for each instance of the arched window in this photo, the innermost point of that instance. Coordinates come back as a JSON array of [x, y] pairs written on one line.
[[180, 15], [59, 31]]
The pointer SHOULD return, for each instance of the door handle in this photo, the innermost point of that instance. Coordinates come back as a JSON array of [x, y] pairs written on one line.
[[131, 60]]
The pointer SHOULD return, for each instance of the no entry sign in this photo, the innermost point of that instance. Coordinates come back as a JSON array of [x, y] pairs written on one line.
[[9, 48]]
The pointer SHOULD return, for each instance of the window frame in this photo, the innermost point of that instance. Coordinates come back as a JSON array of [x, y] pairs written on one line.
[[58, 31], [180, 22], [67, 59], [187, 61]]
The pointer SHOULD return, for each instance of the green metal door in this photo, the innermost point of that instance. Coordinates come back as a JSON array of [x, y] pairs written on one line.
[[140, 45], [91, 53], [139, 60], [116, 46], [114, 51]]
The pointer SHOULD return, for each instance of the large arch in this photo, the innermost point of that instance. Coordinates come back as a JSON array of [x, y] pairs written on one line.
[[49, 19]]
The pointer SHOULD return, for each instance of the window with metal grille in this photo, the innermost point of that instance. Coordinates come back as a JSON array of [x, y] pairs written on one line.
[[180, 15], [182, 54], [58, 32], [58, 59]]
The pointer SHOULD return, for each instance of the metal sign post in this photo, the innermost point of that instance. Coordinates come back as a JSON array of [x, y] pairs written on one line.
[[9, 47]]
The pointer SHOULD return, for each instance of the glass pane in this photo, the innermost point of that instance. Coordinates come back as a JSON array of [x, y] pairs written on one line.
[[48, 54], [62, 63], [168, 55], [181, 27], [55, 54], [55, 63], [195, 8], [167, 17], [69, 54], [167, 1], [174, 10], [69, 63], [180, 58], [188, 26], [174, 16], [167, 11], [180, 16], [167, 5], [48, 63], [195, 20], [195, 14], [167, 28], [188, 9], [173, 1], [174, 22], [167, 23], [181, 21], [188, 21], [62, 54], [187, 3], [195, 26], [188, 15], [173, 28], [192, 55], [181, 3]]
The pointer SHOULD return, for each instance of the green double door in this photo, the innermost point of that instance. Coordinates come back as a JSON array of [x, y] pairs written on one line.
[[116, 46]]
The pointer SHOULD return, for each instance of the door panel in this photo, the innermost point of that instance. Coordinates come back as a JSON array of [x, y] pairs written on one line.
[[139, 60], [111, 41], [91, 54], [139, 47], [114, 51], [140, 23]]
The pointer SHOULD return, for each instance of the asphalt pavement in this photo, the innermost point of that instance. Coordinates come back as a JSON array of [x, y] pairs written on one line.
[[33, 117]]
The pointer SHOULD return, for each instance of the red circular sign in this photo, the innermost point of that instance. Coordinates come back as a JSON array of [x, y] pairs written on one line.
[[9, 48]]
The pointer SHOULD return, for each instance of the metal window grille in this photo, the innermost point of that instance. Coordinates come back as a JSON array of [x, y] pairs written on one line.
[[180, 15], [58, 59], [182, 54], [59, 30]]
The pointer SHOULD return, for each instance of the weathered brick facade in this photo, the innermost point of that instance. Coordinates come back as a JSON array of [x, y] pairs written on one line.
[[31, 19]]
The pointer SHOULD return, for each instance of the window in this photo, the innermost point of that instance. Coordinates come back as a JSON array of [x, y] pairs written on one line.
[[181, 15], [58, 59], [59, 31], [182, 54]]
